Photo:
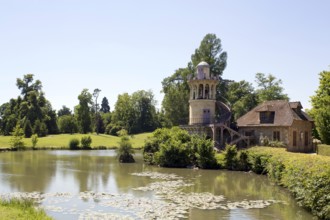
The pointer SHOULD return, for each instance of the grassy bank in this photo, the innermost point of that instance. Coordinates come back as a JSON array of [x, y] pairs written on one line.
[[20, 210], [61, 141], [323, 149], [306, 176]]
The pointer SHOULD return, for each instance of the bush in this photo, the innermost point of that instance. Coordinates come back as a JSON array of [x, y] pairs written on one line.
[[86, 142], [204, 153], [34, 140], [125, 151], [168, 147], [230, 154], [16, 141], [74, 144], [306, 176]]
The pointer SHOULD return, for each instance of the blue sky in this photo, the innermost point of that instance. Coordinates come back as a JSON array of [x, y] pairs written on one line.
[[125, 46]]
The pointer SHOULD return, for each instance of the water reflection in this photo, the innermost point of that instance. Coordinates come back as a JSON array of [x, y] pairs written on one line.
[[99, 171]]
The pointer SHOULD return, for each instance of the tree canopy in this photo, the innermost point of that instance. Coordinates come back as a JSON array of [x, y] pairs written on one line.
[[31, 111], [321, 107], [175, 88], [269, 88]]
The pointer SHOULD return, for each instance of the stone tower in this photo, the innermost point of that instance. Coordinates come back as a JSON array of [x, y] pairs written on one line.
[[202, 101]]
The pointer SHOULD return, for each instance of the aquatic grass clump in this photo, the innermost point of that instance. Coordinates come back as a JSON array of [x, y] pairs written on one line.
[[21, 209]]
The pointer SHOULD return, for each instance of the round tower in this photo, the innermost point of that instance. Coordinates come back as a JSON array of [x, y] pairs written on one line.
[[202, 101]]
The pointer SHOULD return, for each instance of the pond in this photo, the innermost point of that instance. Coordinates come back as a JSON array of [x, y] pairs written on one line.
[[93, 185]]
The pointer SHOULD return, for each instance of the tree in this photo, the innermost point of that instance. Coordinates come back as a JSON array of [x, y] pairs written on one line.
[[105, 108], [16, 141], [64, 111], [241, 98], [321, 107], [26, 85], [67, 124], [84, 112], [135, 113], [27, 129], [269, 88], [143, 104], [176, 90], [125, 151], [96, 94], [210, 51]]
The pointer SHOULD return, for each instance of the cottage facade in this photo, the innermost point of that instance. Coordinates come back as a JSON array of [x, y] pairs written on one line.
[[279, 120]]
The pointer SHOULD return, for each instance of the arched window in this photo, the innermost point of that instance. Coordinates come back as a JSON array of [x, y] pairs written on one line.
[[200, 91], [195, 92], [207, 91]]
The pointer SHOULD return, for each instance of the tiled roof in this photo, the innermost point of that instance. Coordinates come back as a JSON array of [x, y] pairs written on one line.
[[285, 113]]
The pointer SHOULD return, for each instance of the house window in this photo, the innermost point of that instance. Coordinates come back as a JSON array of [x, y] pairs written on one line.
[[267, 117], [294, 137], [276, 136], [306, 138], [249, 133]]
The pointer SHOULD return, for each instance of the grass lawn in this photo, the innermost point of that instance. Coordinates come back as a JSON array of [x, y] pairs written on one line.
[[323, 149], [62, 140]]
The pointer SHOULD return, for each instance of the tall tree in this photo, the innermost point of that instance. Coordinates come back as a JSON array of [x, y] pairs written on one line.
[[176, 90], [321, 107], [269, 88], [27, 85], [28, 109], [98, 119], [210, 51], [105, 108], [84, 111]]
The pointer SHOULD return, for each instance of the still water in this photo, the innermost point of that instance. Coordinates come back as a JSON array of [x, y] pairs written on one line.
[[93, 185]]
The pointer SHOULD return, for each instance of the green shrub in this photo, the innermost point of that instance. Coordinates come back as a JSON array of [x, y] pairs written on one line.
[[230, 154], [204, 153], [125, 151], [34, 140], [306, 176], [74, 144], [16, 141], [173, 153], [276, 144], [163, 136], [242, 160], [86, 142]]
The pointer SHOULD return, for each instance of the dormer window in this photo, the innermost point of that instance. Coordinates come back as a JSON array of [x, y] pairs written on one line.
[[266, 117]]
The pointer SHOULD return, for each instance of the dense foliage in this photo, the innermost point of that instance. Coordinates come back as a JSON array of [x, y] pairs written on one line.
[[31, 110], [306, 176], [125, 151], [135, 113], [321, 107], [176, 90], [176, 148]]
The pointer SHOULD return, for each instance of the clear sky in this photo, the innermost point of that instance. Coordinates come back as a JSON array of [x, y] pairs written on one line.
[[125, 46]]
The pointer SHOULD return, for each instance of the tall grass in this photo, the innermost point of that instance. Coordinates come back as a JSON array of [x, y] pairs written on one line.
[[21, 209]]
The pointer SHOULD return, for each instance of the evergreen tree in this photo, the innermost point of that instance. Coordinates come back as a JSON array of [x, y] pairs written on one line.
[[105, 108]]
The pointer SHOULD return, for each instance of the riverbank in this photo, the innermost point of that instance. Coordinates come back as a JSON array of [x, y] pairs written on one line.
[[21, 210], [61, 141], [306, 176]]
